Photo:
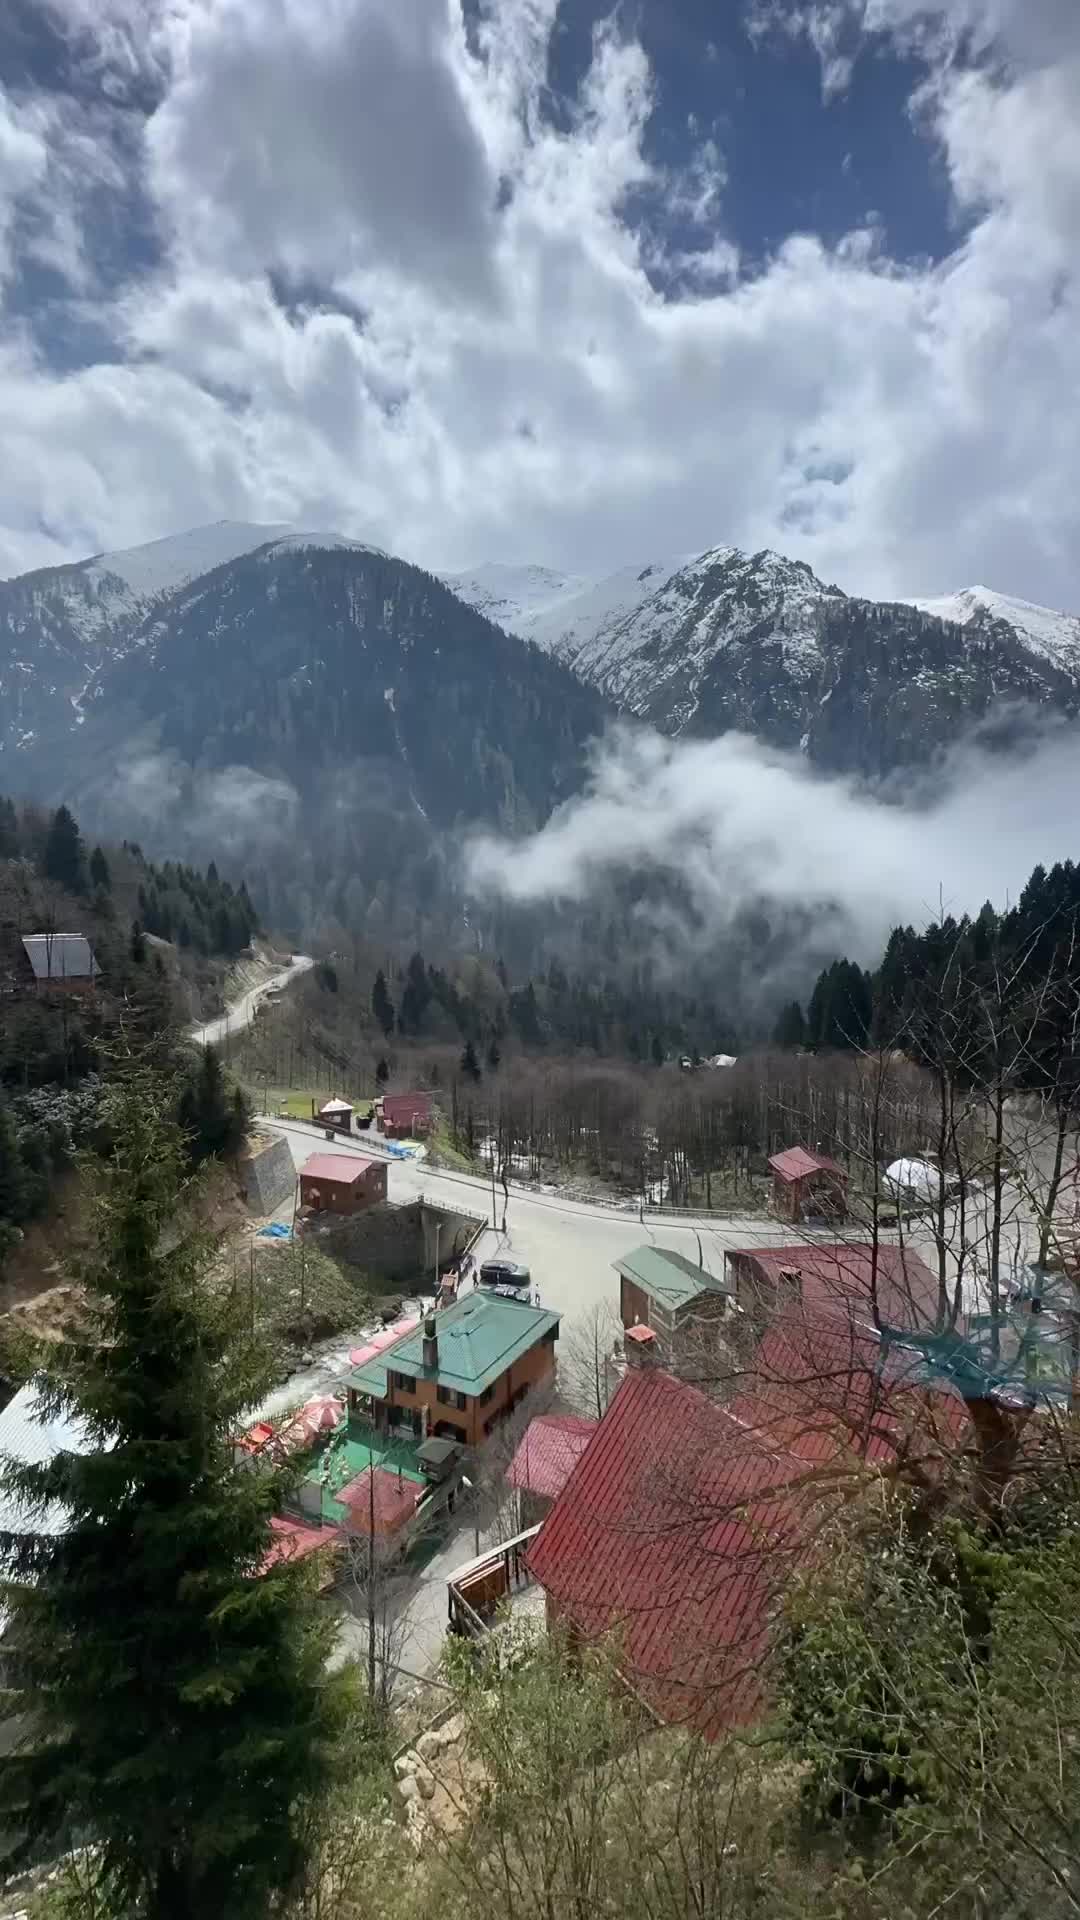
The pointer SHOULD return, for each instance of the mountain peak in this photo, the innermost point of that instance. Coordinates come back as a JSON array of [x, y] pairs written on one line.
[[1053, 636]]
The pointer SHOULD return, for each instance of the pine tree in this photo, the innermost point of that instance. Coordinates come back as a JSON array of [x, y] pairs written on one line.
[[790, 1029], [178, 1713], [62, 860], [13, 1195], [9, 830], [470, 1065], [208, 1112], [99, 870], [382, 1073], [381, 1004], [137, 945], [494, 1055]]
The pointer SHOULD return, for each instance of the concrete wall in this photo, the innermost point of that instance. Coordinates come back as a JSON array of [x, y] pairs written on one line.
[[398, 1244], [267, 1174]]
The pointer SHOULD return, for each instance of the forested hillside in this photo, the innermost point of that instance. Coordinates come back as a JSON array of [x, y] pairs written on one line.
[[60, 1050]]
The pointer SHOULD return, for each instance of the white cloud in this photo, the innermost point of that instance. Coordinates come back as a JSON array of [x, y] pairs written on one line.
[[739, 824], [475, 359]]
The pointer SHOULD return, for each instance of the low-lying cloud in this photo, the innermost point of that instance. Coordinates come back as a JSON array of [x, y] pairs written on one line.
[[741, 825]]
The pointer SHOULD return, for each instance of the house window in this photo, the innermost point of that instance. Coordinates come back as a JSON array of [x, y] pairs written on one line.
[[484, 1397], [403, 1383], [449, 1397]]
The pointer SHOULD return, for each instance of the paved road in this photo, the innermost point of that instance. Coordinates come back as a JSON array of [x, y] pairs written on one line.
[[241, 1013], [569, 1245]]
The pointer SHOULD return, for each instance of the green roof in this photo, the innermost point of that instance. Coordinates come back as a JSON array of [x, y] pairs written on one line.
[[480, 1336], [349, 1455], [668, 1278]]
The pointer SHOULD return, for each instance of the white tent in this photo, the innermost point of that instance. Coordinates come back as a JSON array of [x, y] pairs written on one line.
[[914, 1179]]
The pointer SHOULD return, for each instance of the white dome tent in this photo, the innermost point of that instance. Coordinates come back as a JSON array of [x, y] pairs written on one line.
[[917, 1180]]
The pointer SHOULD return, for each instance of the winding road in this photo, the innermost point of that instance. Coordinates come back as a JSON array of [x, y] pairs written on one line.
[[241, 1013]]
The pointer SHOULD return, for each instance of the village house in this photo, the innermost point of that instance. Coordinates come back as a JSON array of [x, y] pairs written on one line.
[[876, 1288], [459, 1373], [336, 1114], [59, 963], [807, 1186], [546, 1456], [404, 1116], [678, 1302], [341, 1182], [683, 1521]]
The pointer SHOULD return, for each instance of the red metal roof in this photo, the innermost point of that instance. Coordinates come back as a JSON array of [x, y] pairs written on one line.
[[795, 1163], [676, 1530], [401, 1107], [642, 1335], [393, 1499], [379, 1342], [343, 1168], [293, 1541], [819, 1386], [849, 1279], [550, 1449]]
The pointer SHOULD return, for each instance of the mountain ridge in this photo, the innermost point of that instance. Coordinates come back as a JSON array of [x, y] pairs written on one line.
[[755, 641]]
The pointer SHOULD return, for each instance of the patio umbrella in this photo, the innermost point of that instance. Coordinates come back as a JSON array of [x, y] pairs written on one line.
[[322, 1414]]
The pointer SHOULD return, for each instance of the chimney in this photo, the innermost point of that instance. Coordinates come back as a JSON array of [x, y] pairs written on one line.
[[640, 1347], [430, 1348]]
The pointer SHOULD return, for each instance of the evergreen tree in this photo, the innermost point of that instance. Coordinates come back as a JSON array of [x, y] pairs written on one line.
[[99, 870], [416, 996], [9, 830], [790, 1029], [382, 1073], [177, 1710], [137, 945], [657, 1050], [62, 860], [13, 1195], [494, 1055], [470, 1065], [208, 1112], [381, 1004]]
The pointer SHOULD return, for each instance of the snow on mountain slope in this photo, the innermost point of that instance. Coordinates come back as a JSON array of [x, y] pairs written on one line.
[[1053, 636], [561, 612], [513, 596], [648, 636], [163, 565]]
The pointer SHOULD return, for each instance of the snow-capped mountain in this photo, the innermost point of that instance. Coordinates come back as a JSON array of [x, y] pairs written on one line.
[[755, 641], [60, 626], [1054, 635], [650, 637]]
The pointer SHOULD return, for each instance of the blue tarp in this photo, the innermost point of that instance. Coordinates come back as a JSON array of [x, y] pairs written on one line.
[[275, 1231]]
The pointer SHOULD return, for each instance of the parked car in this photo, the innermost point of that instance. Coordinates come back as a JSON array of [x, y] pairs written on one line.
[[504, 1273]]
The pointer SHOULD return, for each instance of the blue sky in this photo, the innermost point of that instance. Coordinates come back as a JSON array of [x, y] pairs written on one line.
[[544, 281]]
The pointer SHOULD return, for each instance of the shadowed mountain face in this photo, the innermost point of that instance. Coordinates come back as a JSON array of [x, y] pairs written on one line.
[[339, 715]]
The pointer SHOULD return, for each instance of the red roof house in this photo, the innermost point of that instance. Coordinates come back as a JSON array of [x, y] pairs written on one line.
[[388, 1498], [683, 1520], [550, 1449], [817, 1382], [884, 1287], [341, 1182], [406, 1114], [806, 1185], [676, 1531]]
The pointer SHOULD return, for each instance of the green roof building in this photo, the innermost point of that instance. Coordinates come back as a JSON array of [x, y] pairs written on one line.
[[670, 1295], [458, 1373]]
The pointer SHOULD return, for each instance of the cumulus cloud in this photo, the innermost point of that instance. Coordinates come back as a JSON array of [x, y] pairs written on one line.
[[399, 290], [739, 825]]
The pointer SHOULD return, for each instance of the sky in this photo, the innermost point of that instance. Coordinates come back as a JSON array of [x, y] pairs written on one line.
[[539, 280]]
